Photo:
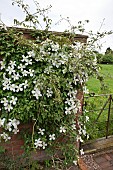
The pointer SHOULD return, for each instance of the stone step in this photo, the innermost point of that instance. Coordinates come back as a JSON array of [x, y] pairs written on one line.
[[98, 145]]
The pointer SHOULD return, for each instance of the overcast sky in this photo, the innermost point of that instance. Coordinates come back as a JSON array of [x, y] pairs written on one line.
[[77, 10]]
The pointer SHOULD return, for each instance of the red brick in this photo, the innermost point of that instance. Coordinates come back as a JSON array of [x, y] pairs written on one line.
[[111, 162], [105, 164], [108, 168], [73, 168], [39, 155], [17, 142], [111, 155], [82, 164], [18, 152], [15, 152], [107, 157], [100, 159], [14, 137]]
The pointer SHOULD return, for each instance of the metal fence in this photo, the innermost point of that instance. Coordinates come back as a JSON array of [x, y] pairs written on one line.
[[99, 108]]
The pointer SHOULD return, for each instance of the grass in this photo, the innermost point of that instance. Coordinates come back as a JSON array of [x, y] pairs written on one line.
[[94, 85], [94, 104]]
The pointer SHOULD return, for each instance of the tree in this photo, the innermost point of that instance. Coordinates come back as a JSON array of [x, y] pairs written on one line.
[[109, 51]]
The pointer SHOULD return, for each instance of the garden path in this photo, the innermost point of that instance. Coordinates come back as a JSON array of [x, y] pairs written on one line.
[[98, 155], [102, 160]]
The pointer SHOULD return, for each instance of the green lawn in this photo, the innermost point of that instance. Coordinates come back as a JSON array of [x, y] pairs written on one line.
[[94, 85], [94, 104]]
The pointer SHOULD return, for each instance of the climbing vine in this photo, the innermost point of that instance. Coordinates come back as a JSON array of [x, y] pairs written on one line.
[[39, 83]]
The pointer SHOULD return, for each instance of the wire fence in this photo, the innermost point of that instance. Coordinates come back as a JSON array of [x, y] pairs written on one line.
[[99, 108]]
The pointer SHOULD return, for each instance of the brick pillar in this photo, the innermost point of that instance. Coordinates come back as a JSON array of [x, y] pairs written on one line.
[[80, 97]]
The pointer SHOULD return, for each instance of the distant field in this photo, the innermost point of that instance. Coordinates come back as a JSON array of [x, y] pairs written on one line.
[[106, 71]]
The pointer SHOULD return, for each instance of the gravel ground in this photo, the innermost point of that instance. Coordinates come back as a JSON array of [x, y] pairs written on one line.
[[91, 164]]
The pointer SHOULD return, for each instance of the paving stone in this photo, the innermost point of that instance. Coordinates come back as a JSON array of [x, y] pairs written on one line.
[[111, 155], [107, 157], [105, 164], [74, 168], [100, 159], [108, 168], [89, 163], [97, 156], [111, 162]]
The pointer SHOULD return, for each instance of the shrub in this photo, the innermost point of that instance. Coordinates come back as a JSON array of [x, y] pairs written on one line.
[[107, 59]]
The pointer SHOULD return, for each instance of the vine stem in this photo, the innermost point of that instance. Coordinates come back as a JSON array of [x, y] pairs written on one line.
[[33, 131]]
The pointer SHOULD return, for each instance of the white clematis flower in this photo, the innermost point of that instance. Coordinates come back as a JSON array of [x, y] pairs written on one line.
[[52, 137], [38, 143], [13, 100], [62, 129], [41, 131], [2, 121], [36, 92]]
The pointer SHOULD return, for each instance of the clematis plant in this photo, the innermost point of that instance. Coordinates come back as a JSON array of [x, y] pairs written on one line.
[[39, 83]]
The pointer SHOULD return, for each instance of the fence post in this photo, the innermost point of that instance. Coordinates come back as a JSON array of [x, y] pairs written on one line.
[[107, 125]]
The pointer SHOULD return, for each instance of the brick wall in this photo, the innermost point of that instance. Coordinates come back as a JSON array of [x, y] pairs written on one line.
[[28, 34], [13, 147]]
